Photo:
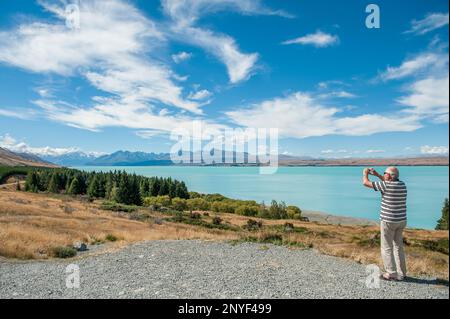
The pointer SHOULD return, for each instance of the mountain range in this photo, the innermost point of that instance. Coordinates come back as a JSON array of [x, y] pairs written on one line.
[[127, 158], [8, 158]]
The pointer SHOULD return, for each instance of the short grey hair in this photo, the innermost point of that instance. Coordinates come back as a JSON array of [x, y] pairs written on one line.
[[393, 171]]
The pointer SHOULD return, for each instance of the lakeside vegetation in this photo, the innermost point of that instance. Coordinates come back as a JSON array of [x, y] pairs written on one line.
[[47, 219], [130, 189], [442, 223]]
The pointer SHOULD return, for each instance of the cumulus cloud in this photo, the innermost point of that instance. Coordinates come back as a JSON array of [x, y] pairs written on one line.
[[186, 14], [428, 97], [181, 56], [200, 95], [300, 115], [318, 39], [427, 94], [111, 49], [9, 142], [421, 63], [434, 150], [431, 22]]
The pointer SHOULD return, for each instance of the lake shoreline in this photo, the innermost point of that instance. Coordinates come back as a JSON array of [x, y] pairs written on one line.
[[330, 219]]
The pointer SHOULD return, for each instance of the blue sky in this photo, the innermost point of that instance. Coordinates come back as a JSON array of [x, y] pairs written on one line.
[[132, 71]]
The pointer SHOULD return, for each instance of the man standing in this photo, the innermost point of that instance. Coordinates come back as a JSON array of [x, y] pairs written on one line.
[[393, 220]]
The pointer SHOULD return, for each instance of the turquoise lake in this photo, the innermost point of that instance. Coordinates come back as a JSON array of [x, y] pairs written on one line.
[[334, 190]]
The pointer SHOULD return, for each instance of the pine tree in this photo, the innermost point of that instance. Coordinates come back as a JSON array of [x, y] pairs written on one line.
[[75, 187], [53, 186], [172, 190], [154, 187], [122, 194], [32, 182], [134, 192], [164, 188], [93, 188], [443, 222], [181, 191]]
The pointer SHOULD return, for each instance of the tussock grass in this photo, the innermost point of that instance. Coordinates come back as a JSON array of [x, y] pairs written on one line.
[[33, 225], [31, 230]]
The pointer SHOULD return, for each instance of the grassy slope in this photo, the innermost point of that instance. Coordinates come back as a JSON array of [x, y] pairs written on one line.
[[32, 225]]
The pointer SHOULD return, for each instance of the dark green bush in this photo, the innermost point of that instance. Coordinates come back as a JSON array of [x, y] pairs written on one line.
[[253, 225], [64, 252], [111, 237]]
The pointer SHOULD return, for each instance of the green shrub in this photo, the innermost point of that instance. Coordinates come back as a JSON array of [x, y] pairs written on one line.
[[195, 216], [198, 204], [294, 212], [216, 220], [64, 252], [179, 204], [111, 237], [253, 225], [440, 245], [224, 206], [158, 201], [247, 210], [115, 207], [214, 197], [443, 221], [271, 238]]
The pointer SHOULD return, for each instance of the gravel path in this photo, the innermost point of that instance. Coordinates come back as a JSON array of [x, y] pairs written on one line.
[[198, 269]]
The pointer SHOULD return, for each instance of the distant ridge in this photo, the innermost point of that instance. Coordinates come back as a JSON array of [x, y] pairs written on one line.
[[8, 158], [128, 158], [413, 161]]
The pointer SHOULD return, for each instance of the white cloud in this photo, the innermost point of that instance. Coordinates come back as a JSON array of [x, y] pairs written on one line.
[[329, 151], [338, 94], [200, 95], [434, 150], [181, 56], [112, 50], [185, 15], [421, 63], [299, 115], [428, 97], [7, 141], [146, 134], [128, 113], [318, 39], [22, 114], [431, 22], [375, 151]]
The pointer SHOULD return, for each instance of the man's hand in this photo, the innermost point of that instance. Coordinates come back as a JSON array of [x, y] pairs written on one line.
[[366, 181], [375, 173]]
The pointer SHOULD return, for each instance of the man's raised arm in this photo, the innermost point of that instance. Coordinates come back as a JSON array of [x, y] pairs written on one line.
[[366, 181]]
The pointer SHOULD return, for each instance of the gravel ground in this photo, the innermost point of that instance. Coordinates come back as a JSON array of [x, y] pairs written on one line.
[[199, 269]]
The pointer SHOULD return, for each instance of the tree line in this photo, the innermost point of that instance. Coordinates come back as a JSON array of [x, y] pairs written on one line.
[[117, 186]]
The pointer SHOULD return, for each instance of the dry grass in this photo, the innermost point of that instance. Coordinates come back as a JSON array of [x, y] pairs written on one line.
[[31, 225]]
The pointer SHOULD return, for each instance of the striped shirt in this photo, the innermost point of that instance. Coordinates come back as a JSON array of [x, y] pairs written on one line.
[[393, 200]]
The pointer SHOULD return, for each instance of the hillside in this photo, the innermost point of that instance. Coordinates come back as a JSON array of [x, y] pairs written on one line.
[[8, 158], [414, 161], [33, 225]]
